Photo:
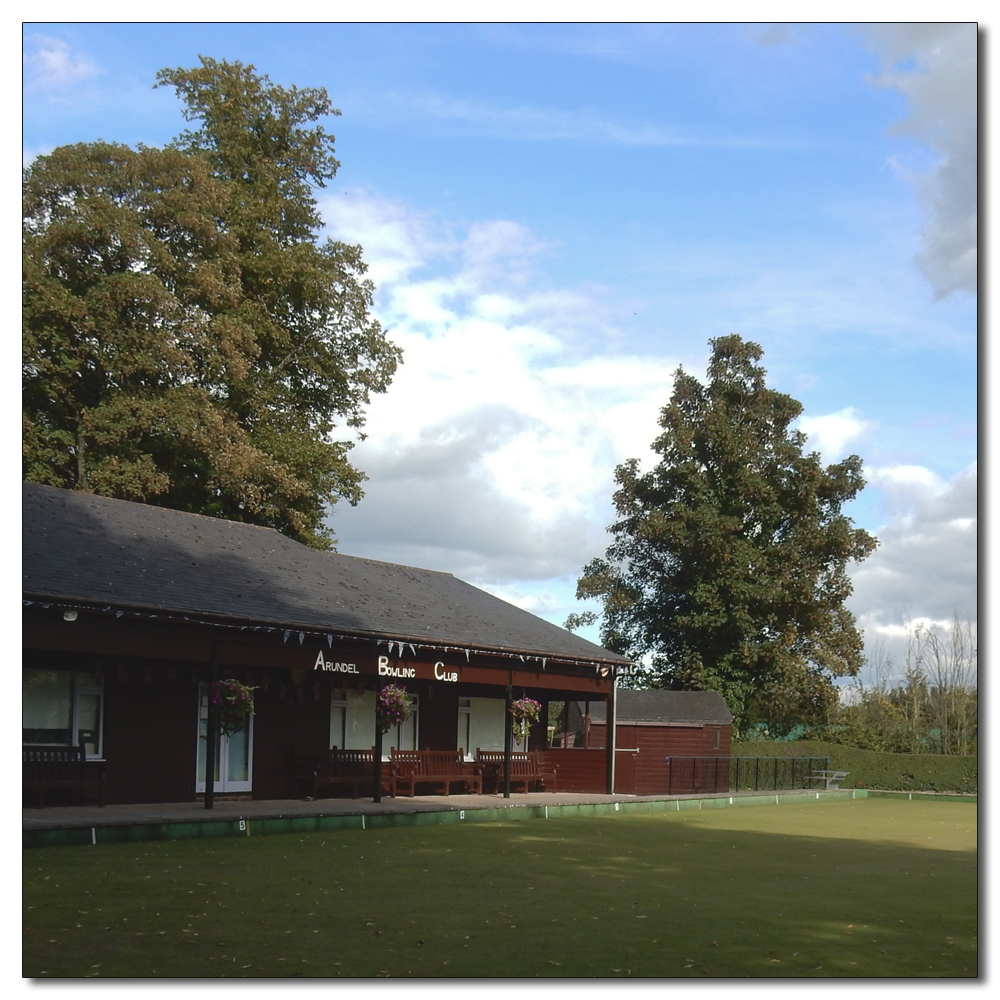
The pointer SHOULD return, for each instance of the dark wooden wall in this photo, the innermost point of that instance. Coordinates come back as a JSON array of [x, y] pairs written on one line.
[[288, 718], [646, 772], [150, 733], [150, 725], [438, 717], [579, 770]]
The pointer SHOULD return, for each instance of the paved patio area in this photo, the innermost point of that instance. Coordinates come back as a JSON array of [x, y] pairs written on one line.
[[68, 817]]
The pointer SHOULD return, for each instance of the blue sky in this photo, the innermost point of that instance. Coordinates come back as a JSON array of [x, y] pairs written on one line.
[[557, 216]]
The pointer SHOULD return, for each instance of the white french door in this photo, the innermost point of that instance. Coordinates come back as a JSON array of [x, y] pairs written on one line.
[[233, 754]]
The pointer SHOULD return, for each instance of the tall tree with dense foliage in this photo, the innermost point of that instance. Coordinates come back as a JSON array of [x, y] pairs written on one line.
[[728, 565], [188, 340]]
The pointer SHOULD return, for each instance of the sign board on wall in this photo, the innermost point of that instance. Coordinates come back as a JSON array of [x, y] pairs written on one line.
[[401, 671], [409, 670]]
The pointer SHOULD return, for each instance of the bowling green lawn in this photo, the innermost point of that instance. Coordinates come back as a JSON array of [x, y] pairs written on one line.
[[854, 888]]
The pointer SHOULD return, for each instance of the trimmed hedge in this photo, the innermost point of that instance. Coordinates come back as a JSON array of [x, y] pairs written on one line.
[[906, 772]]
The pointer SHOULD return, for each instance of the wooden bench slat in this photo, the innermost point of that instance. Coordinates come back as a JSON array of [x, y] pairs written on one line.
[[434, 767], [526, 768], [335, 768], [46, 768]]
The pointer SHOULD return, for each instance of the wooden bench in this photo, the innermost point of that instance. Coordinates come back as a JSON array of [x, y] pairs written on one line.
[[832, 778], [337, 768], [526, 769], [48, 768], [435, 767]]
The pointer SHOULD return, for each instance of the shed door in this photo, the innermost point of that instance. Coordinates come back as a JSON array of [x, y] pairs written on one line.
[[626, 756]]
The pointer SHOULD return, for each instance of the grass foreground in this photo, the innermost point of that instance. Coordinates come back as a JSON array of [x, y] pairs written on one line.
[[862, 888]]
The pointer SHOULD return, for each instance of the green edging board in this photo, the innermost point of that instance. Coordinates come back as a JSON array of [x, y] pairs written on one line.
[[266, 826], [929, 796]]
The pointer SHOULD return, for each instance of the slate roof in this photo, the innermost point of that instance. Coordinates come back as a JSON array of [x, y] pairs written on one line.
[[664, 707], [94, 550]]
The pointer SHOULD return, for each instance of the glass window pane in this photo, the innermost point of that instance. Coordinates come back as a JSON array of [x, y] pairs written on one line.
[[574, 727], [360, 728], [566, 723], [464, 739], [404, 737], [203, 742], [88, 720], [487, 725], [238, 763], [47, 706], [338, 720], [556, 723]]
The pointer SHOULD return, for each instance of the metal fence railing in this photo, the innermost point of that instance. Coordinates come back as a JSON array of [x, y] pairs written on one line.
[[741, 774]]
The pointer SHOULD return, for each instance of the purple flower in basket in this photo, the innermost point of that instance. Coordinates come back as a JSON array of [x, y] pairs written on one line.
[[235, 702], [392, 707], [525, 711]]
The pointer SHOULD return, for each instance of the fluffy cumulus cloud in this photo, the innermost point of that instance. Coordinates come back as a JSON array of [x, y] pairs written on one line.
[[492, 456], [832, 433], [50, 64], [925, 569], [935, 66]]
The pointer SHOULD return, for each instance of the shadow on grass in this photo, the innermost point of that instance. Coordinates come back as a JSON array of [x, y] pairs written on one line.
[[692, 895]]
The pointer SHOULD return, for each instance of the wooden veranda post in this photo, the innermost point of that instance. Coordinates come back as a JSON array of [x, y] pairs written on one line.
[[211, 730], [612, 730], [377, 763], [507, 734]]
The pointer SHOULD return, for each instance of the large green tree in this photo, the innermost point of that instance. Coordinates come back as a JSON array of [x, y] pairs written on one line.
[[728, 567], [188, 338]]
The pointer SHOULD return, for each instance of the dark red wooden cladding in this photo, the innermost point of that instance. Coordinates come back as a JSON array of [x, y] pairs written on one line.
[[156, 602], [151, 673], [288, 719], [150, 734], [439, 718], [578, 770], [641, 767]]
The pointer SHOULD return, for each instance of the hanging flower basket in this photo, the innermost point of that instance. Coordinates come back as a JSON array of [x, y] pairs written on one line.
[[235, 703], [525, 711], [392, 708]]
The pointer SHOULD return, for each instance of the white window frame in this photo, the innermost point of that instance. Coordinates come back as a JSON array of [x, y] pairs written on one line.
[[78, 687], [464, 734], [338, 720], [341, 704], [467, 713], [394, 738]]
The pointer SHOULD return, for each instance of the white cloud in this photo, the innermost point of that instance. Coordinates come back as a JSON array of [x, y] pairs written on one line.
[[926, 564], [935, 66], [51, 65], [830, 434], [397, 238], [903, 481], [925, 569], [493, 454], [540, 124], [905, 630]]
